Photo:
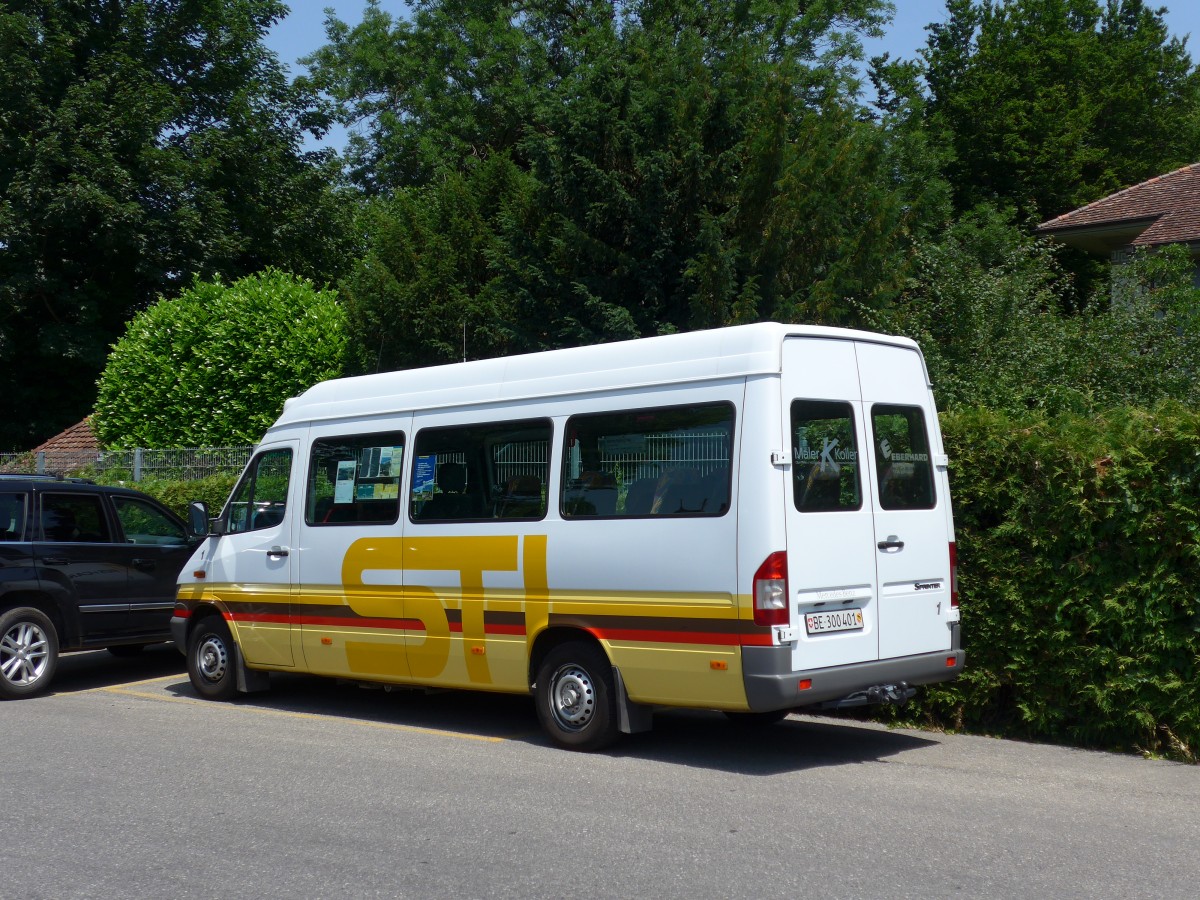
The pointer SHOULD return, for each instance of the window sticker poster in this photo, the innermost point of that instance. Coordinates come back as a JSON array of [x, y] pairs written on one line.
[[343, 489], [385, 462], [423, 475]]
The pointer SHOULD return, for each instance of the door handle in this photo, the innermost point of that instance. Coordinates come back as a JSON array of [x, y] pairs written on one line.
[[891, 544], [55, 560], [277, 552], [145, 565]]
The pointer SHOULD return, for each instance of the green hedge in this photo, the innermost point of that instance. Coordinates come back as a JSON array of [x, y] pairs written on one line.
[[176, 495], [1079, 569]]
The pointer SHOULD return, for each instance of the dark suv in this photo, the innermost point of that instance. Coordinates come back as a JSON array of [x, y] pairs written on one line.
[[81, 566]]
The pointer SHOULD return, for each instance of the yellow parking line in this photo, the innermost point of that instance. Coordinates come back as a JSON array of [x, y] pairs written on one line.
[[319, 717]]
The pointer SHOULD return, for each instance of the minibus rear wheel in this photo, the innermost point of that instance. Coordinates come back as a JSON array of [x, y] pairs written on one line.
[[210, 659], [576, 698]]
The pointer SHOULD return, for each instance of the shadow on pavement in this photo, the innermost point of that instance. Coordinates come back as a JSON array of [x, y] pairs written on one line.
[[91, 669], [696, 738]]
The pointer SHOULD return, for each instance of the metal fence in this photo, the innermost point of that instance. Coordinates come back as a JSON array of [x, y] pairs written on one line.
[[703, 452], [135, 465]]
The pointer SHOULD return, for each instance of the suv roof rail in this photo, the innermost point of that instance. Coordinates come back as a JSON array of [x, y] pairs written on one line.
[[34, 476]]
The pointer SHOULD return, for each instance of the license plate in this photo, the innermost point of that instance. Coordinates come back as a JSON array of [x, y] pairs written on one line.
[[835, 620]]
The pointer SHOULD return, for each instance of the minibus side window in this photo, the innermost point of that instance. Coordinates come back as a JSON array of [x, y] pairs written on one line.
[[667, 461], [477, 473], [355, 480], [824, 457], [260, 499], [902, 457]]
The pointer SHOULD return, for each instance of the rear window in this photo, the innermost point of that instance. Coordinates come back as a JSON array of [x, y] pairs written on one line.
[[12, 515], [825, 463], [902, 457]]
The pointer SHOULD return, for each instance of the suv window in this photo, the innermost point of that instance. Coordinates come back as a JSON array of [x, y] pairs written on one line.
[[144, 524], [74, 518], [12, 515]]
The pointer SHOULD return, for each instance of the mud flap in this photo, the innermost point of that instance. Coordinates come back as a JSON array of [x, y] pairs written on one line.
[[632, 718]]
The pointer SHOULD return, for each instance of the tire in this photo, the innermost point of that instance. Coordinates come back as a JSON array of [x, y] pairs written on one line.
[[575, 697], [757, 719], [28, 652], [126, 651], [210, 659]]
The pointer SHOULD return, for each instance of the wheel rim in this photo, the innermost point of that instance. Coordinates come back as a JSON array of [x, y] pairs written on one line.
[[24, 653], [212, 658], [572, 697]]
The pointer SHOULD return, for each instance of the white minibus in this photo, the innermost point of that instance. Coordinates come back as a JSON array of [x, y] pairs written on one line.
[[752, 519]]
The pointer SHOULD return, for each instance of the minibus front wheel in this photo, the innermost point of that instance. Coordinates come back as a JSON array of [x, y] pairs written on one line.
[[210, 659], [576, 698]]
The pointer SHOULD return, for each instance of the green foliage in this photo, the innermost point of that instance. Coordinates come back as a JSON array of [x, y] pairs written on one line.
[[606, 171], [141, 143], [985, 301], [214, 366], [1051, 104], [1079, 565], [176, 495]]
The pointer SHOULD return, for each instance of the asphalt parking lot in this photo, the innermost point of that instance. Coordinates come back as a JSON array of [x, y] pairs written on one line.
[[122, 782]]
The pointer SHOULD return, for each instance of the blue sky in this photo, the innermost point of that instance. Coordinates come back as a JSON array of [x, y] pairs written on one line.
[[303, 31]]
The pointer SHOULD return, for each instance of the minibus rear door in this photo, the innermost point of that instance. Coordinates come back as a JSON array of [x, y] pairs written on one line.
[[830, 533], [912, 520]]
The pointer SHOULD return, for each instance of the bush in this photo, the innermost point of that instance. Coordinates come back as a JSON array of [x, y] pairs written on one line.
[[1079, 569], [214, 366], [176, 495]]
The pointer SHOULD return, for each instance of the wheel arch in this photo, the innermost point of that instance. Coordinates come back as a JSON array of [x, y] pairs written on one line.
[[556, 636], [68, 639], [631, 717]]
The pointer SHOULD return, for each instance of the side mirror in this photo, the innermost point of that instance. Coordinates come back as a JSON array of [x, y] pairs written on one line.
[[198, 521]]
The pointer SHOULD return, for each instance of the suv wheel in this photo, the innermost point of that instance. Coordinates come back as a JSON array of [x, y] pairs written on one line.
[[28, 652]]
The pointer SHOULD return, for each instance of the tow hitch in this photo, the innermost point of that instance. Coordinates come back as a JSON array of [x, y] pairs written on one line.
[[893, 694]]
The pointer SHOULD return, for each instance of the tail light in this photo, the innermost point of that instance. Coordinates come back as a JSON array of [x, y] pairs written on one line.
[[953, 576], [771, 591]]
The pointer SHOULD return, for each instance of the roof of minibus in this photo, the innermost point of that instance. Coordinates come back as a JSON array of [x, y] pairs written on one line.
[[692, 356]]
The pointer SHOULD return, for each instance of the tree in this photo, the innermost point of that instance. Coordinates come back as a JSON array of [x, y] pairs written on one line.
[[1051, 104], [985, 302], [213, 366], [666, 166], [141, 143]]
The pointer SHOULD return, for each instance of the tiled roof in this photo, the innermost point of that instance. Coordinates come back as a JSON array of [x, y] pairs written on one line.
[[76, 439], [1169, 205]]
